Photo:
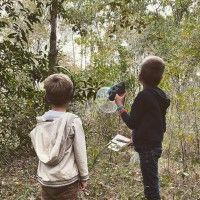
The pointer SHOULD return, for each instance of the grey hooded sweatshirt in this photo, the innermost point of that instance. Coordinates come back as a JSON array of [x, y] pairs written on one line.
[[59, 142]]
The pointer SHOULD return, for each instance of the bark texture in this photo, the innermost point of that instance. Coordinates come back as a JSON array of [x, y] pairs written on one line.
[[53, 51]]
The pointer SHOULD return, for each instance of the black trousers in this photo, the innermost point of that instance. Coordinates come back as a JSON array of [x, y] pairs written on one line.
[[149, 169]]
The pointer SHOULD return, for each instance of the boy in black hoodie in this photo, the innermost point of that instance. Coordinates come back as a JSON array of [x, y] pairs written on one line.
[[148, 122]]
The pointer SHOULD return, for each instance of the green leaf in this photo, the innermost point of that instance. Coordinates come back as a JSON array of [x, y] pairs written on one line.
[[29, 26], [24, 36], [12, 35], [21, 4]]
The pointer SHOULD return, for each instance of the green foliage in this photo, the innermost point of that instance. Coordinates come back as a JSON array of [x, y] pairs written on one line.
[[20, 70], [117, 35]]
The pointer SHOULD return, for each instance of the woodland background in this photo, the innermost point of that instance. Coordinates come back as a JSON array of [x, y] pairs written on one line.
[[99, 43]]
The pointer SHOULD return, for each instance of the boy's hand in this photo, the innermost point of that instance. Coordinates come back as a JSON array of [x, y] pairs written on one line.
[[82, 185], [119, 100], [131, 141]]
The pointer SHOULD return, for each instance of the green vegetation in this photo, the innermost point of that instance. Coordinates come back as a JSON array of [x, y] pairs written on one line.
[[99, 43]]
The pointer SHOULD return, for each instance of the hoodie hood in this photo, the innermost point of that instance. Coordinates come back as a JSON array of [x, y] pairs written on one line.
[[49, 137], [162, 98], [51, 115]]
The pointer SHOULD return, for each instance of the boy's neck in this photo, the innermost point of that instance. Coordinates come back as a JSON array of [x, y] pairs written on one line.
[[60, 108], [147, 86]]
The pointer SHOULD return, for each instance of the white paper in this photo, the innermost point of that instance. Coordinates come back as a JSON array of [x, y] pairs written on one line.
[[118, 142]]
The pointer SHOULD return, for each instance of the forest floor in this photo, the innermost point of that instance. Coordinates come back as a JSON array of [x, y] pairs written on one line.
[[111, 178]]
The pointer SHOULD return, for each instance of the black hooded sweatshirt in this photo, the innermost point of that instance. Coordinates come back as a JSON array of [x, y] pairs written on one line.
[[147, 118]]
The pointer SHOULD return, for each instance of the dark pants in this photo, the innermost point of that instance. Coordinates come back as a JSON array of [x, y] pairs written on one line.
[[149, 169], [68, 192]]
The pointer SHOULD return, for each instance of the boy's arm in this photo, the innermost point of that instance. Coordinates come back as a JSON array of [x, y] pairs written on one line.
[[79, 146], [126, 118], [137, 109]]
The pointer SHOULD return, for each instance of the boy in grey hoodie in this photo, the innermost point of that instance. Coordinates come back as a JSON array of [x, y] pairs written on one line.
[[59, 142]]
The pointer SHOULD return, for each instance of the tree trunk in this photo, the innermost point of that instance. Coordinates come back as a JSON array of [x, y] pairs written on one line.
[[53, 52]]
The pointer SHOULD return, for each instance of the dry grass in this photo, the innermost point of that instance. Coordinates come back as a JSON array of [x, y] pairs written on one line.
[[111, 178]]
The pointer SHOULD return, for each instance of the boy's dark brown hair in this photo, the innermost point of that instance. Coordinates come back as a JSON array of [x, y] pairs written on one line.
[[152, 69], [59, 89]]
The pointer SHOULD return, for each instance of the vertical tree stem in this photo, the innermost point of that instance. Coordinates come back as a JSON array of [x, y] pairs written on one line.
[[53, 52]]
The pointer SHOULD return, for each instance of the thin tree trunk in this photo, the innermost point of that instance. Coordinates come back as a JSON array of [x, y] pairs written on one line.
[[85, 57], [73, 48], [81, 55], [53, 52]]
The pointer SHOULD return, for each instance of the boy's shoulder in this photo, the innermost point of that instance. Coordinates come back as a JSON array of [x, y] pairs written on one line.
[[72, 116], [143, 94], [151, 95], [147, 92], [75, 118], [154, 96], [66, 117]]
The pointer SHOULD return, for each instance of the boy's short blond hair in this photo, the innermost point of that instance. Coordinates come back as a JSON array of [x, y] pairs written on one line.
[[59, 89], [152, 69]]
